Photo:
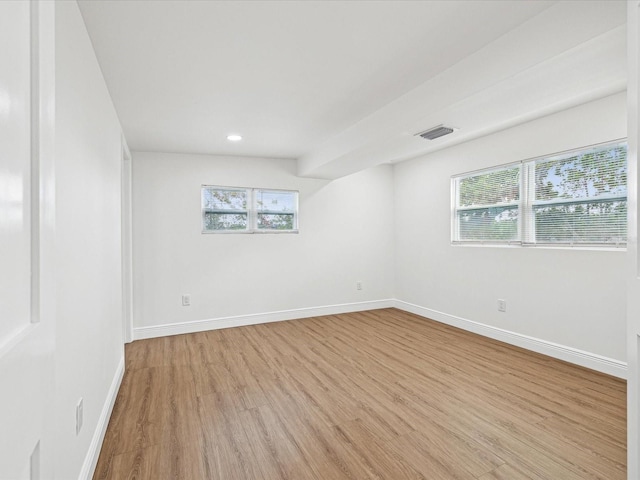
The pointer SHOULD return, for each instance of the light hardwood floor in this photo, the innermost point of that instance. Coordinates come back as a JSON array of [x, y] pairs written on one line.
[[382, 394]]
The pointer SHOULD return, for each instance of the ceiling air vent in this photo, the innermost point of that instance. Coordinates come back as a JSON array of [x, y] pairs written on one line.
[[436, 132]]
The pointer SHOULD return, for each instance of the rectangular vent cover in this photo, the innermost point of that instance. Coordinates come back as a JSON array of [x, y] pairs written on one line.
[[436, 132]]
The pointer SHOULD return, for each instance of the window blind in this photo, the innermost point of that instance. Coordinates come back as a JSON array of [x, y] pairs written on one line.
[[276, 209], [225, 208], [488, 206], [575, 198], [248, 210], [579, 198]]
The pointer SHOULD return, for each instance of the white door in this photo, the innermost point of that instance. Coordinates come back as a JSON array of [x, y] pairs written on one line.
[[27, 311]]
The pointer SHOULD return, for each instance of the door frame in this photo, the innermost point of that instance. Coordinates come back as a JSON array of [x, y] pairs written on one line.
[[126, 243]]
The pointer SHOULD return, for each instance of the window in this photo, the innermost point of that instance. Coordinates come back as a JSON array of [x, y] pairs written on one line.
[[577, 198], [488, 206], [248, 210], [225, 209], [276, 209]]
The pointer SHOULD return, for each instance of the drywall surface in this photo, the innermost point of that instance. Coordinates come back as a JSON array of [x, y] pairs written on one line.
[[575, 298], [89, 327], [345, 236]]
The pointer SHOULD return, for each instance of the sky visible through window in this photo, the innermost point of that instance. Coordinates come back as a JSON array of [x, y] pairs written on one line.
[[279, 201], [587, 174]]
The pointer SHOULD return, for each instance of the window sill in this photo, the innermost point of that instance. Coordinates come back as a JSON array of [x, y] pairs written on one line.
[[248, 232], [591, 248]]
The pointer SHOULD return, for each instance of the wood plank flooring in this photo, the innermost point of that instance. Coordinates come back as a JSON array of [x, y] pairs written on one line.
[[382, 394]]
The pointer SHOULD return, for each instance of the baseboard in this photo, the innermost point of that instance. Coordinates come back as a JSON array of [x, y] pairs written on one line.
[[91, 459], [599, 363], [140, 333], [562, 352]]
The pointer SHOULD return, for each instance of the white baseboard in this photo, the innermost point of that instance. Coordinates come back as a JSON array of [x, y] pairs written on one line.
[[140, 333], [91, 459], [599, 363], [573, 355]]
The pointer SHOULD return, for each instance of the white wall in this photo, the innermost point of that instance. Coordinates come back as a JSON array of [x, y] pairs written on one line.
[[575, 298], [345, 236], [89, 328]]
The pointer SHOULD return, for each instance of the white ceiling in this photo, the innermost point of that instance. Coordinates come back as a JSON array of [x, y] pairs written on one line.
[[344, 85]]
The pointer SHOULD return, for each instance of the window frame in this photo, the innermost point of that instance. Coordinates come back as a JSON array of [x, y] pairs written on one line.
[[455, 223], [526, 204], [251, 210]]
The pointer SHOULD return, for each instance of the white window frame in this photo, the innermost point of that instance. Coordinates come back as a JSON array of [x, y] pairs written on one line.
[[526, 204], [455, 224], [252, 211]]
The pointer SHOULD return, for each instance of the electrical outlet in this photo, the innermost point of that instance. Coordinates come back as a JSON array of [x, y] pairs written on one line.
[[358, 285], [502, 305], [186, 300], [79, 415]]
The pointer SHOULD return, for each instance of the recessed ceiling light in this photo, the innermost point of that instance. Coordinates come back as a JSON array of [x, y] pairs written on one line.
[[234, 138]]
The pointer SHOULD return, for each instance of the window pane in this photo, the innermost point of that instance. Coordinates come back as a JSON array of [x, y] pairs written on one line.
[[276, 201], [592, 173], [219, 199], [594, 223], [496, 187], [581, 197], [489, 224], [276, 221], [276, 210], [225, 221]]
